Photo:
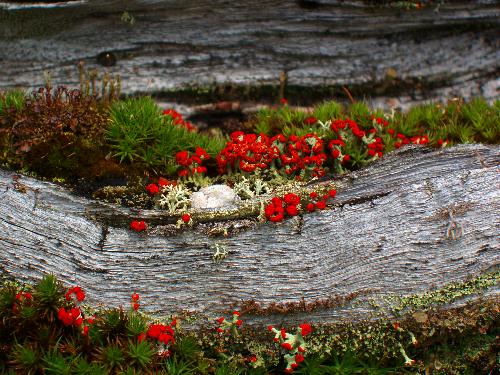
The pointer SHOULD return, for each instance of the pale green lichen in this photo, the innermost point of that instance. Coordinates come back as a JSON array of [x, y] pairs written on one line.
[[198, 180], [220, 252], [174, 199], [447, 294], [251, 188], [255, 207]]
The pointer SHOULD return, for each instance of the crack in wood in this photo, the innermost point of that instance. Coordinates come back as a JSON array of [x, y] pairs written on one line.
[[455, 229], [429, 188], [481, 159], [464, 177], [360, 200], [484, 248], [298, 224], [457, 209], [81, 267], [35, 199], [102, 239], [21, 227]]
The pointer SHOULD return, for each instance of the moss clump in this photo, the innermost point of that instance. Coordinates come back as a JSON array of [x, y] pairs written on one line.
[[455, 122], [139, 131], [53, 132], [11, 100]]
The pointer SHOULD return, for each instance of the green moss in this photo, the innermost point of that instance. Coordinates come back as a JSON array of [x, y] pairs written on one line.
[[456, 122], [139, 132], [25, 359], [11, 100], [328, 110]]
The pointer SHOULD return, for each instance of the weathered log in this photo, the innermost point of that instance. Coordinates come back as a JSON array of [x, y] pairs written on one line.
[[411, 222], [445, 50]]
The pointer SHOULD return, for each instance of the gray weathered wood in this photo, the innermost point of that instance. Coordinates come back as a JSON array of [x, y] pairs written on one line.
[[432, 53], [384, 234]]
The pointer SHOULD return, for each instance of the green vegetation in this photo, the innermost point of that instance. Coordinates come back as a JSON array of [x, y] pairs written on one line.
[[461, 340], [473, 122], [139, 131], [456, 122], [54, 133], [447, 294], [70, 135], [11, 100]]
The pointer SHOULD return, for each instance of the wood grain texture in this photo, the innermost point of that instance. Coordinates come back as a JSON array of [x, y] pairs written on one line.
[[384, 234], [385, 52]]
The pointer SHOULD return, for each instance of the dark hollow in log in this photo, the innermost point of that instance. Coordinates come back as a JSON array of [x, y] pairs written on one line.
[[410, 222], [377, 51]]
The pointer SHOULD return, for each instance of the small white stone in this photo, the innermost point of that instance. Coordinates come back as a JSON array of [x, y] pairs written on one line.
[[213, 197]]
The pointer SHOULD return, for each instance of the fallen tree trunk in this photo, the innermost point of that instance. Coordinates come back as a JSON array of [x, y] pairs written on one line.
[[443, 50], [409, 223]]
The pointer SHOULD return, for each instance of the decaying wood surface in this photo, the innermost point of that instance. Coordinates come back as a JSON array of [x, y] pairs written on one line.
[[440, 51], [413, 221]]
